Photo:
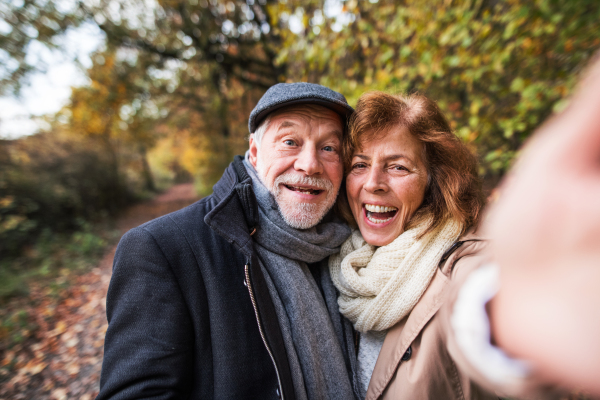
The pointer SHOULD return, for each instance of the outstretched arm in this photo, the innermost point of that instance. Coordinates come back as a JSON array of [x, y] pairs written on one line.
[[545, 235]]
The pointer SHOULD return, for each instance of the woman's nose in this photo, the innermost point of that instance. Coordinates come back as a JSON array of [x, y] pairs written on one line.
[[375, 181], [308, 161]]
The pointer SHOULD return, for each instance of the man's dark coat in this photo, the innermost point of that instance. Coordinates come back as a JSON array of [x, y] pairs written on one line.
[[183, 304]]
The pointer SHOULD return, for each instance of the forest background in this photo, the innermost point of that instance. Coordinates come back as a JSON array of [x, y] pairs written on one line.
[[170, 90]]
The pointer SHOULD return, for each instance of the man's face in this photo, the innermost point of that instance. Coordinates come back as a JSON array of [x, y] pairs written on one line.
[[299, 160]]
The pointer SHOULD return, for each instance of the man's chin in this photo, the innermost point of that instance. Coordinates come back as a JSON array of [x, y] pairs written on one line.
[[299, 213], [303, 215]]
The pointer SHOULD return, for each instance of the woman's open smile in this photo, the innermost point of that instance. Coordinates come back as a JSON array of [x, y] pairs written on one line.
[[378, 214]]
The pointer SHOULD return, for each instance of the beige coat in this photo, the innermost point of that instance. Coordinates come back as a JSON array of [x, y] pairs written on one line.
[[433, 367]]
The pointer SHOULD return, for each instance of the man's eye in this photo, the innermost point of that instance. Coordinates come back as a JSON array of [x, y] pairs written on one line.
[[289, 142], [399, 168]]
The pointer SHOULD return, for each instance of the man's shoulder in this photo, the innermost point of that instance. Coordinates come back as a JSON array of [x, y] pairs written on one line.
[[182, 238], [212, 230], [191, 219], [180, 225]]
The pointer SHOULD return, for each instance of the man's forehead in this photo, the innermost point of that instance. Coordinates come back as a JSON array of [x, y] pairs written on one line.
[[294, 115]]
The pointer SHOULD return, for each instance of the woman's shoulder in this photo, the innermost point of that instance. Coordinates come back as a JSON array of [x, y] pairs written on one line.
[[467, 253]]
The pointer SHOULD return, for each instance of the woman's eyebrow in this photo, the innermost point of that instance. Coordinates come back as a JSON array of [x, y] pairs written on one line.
[[391, 157]]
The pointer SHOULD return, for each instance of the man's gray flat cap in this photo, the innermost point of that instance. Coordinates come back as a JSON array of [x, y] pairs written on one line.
[[286, 94]]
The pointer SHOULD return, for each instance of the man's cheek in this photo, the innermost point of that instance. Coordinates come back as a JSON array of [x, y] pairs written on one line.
[[332, 157], [263, 174]]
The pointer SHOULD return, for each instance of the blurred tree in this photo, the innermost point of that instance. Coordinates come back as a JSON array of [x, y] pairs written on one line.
[[198, 58], [25, 24], [52, 181], [233, 35], [497, 69], [118, 108], [221, 57]]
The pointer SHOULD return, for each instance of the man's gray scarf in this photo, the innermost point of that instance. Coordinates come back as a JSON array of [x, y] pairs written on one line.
[[316, 338]]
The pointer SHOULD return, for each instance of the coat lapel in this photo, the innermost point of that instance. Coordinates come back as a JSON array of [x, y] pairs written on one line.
[[401, 335]]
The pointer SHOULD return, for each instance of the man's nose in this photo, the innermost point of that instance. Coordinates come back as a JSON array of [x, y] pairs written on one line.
[[376, 181], [308, 161]]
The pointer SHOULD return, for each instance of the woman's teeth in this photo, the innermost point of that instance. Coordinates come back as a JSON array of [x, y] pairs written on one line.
[[388, 213], [377, 221], [379, 209]]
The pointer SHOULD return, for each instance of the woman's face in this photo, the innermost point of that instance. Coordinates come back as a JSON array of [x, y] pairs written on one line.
[[386, 185]]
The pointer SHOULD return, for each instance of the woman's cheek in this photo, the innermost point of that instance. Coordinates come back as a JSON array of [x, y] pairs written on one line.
[[353, 194], [415, 191]]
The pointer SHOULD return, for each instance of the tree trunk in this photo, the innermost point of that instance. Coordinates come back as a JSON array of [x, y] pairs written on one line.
[[114, 197], [146, 172]]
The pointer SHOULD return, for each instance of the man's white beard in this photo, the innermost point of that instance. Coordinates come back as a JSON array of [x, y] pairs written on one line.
[[302, 215]]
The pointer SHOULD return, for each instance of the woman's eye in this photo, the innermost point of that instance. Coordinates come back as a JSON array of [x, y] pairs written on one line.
[[328, 148], [358, 166], [289, 142]]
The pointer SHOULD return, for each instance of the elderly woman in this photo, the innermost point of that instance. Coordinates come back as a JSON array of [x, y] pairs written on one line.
[[413, 192]]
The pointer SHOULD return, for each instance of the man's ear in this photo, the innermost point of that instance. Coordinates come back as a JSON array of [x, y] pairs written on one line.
[[253, 156]]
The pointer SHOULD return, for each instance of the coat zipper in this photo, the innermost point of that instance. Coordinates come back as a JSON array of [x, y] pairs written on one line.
[[260, 328]]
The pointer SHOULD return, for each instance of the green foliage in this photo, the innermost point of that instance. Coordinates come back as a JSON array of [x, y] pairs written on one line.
[[53, 254], [15, 327], [160, 62], [15, 227], [497, 69], [47, 266], [53, 181]]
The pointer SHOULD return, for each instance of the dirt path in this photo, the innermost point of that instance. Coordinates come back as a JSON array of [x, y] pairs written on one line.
[[64, 361]]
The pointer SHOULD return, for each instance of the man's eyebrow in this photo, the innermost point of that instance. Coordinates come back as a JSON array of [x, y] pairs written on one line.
[[338, 133]]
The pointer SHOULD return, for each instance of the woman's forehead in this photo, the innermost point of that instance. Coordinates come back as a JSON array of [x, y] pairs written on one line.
[[393, 136], [393, 143]]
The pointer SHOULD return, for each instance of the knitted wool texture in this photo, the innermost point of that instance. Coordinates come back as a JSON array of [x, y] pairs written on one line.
[[380, 285]]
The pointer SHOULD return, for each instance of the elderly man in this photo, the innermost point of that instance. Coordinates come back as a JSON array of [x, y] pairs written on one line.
[[229, 298]]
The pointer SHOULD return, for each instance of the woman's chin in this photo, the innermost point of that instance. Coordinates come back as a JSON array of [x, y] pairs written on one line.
[[379, 233], [377, 240], [379, 236]]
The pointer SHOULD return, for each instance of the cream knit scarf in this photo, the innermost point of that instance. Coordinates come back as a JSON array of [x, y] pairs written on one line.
[[380, 285]]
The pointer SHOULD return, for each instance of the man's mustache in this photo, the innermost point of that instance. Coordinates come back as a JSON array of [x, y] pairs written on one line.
[[295, 179]]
